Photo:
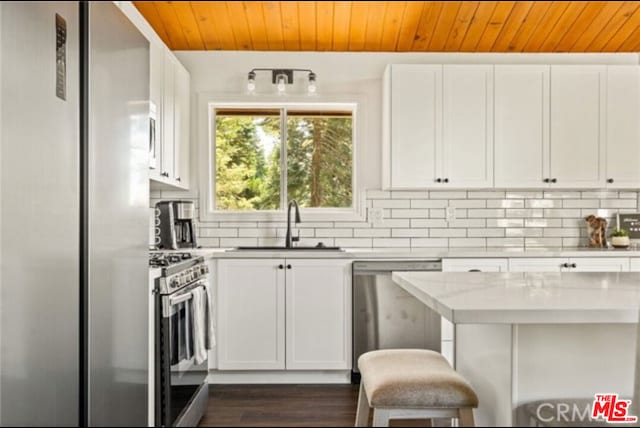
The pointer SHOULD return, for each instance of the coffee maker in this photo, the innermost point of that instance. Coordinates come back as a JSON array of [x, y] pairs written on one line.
[[175, 225]]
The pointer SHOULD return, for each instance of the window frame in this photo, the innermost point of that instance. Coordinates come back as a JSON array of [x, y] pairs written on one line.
[[208, 103]]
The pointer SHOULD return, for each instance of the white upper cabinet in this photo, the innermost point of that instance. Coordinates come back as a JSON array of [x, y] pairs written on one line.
[[623, 127], [156, 82], [168, 99], [415, 124], [521, 126], [467, 139], [577, 125], [182, 81]]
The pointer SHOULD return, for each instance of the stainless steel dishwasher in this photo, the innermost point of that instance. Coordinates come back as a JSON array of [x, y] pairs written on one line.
[[385, 316]]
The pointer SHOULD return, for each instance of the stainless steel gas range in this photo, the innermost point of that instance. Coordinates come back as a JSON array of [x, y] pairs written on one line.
[[181, 392]]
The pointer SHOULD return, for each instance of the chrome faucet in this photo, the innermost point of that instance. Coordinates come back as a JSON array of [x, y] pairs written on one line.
[[291, 239]]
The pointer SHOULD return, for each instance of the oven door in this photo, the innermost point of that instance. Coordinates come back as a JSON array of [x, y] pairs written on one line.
[[179, 376]]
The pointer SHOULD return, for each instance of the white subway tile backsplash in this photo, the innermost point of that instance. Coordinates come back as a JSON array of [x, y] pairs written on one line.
[[391, 242], [486, 195], [618, 203], [410, 233], [411, 213], [544, 203], [527, 232], [419, 222], [429, 242], [439, 194], [406, 194], [489, 218], [428, 203], [391, 203], [470, 203], [486, 233], [485, 213], [505, 222], [448, 233], [467, 242], [371, 233], [543, 242], [354, 242], [338, 233], [505, 242], [505, 203]]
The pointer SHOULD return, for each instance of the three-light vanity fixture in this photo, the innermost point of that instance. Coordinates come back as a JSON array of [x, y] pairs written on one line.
[[281, 77]]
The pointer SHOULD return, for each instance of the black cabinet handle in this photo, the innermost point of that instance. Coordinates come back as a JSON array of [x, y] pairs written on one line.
[[438, 180], [178, 179], [573, 265], [446, 180], [280, 266], [610, 180], [565, 265], [553, 180], [474, 270], [288, 266], [546, 180], [165, 174]]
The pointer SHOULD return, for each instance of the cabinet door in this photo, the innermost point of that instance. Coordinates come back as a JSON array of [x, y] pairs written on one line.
[[521, 126], [551, 264], [156, 73], [251, 315], [168, 100], [577, 155], [634, 264], [181, 125], [318, 306], [467, 142], [599, 264], [416, 122], [623, 126], [473, 265]]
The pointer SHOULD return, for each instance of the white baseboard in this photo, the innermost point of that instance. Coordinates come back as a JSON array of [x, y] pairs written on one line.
[[279, 377]]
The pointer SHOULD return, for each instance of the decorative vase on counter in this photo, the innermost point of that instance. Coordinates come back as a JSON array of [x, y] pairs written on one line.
[[620, 241]]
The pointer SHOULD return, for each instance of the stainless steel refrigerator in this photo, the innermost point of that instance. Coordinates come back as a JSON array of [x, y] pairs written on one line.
[[74, 120]]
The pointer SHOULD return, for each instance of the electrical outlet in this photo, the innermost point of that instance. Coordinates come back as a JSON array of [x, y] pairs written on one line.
[[375, 215], [450, 214]]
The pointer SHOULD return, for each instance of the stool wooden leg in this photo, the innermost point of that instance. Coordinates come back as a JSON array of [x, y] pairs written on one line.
[[362, 414], [381, 417], [465, 417]]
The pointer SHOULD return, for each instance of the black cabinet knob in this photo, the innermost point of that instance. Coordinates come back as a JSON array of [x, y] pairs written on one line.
[[546, 180], [438, 180], [288, 266], [446, 180], [178, 179], [553, 180], [573, 265], [610, 180], [280, 266], [565, 265]]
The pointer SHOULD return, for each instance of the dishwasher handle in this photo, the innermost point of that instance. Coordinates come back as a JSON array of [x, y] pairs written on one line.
[[369, 267]]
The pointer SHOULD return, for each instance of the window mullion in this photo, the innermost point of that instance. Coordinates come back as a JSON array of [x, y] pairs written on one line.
[[283, 159]]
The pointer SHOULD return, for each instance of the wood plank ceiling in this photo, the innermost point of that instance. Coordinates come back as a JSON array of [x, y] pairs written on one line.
[[397, 26]]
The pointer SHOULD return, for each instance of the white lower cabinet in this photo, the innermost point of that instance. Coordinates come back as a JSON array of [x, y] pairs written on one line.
[[634, 264], [277, 314], [573, 264]]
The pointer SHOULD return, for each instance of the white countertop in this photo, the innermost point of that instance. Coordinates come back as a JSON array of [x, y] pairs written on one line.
[[420, 253], [527, 298]]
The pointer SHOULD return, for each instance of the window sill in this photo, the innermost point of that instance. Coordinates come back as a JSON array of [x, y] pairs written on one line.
[[281, 216]]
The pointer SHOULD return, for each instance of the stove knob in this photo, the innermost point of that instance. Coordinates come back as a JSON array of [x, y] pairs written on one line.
[[174, 282]]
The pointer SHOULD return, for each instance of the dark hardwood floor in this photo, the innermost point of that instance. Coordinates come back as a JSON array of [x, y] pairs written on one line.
[[287, 406], [281, 405]]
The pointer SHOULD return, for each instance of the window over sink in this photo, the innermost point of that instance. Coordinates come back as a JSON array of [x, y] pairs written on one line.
[[264, 155]]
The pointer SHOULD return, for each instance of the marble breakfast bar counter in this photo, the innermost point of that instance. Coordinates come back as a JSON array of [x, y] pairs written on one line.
[[523, 337]]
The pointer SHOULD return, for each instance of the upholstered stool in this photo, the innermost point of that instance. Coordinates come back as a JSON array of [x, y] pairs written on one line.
[[412, 384]]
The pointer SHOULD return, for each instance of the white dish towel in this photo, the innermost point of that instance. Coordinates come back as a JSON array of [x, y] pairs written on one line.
[[203, 335]]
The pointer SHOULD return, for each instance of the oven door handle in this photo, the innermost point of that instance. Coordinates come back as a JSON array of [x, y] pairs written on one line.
[[181, 298]]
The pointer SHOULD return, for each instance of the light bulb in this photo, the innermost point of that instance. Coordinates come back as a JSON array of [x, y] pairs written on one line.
[[251, 82], [312, 83], [282, 83]]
